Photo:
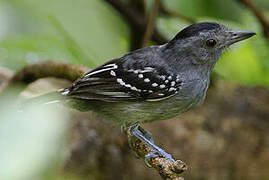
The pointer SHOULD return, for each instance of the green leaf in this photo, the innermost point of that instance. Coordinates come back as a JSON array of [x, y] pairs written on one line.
[[85, 32], [17, 52]]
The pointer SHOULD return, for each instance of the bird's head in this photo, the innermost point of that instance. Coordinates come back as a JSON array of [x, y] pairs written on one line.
[[203, 43]]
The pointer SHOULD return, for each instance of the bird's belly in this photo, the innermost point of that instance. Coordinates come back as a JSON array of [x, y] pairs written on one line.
[[132, 112], [141, 112]]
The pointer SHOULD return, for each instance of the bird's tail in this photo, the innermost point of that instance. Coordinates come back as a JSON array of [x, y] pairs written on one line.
[[61, 97], [48, 98]]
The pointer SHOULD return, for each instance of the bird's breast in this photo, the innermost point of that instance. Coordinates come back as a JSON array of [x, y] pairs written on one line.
[[192, 93]]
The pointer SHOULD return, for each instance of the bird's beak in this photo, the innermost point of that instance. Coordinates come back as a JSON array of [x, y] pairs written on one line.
[[236, 36]]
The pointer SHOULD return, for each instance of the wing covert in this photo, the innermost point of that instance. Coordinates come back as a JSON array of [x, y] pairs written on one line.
[[114, 82]]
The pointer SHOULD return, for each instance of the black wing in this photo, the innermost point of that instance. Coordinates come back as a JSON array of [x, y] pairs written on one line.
[[114, 82]]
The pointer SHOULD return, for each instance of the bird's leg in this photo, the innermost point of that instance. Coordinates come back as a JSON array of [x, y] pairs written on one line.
[[142, 143], [146, 137]]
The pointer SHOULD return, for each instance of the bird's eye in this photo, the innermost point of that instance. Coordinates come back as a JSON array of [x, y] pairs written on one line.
[[211, 43]]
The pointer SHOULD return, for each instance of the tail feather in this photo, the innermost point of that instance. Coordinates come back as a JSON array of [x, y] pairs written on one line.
[[48, 98]]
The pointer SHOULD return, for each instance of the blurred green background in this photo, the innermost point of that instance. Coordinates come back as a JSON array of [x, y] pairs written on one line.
[[90, 32]]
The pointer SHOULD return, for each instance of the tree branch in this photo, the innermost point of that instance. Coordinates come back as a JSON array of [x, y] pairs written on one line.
[[167, 168], [43, 69], [135, 36], [164, 10], [151, 23], [5, 75], [135, 19], [260, 16]]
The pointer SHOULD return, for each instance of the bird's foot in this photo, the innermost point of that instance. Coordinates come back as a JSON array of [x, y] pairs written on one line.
[[143, 145], [146, 137]]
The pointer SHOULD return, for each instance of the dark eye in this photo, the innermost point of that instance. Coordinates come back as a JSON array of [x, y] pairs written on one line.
[[211, 43]]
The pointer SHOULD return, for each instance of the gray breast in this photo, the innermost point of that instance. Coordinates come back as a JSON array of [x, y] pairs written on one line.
[[191, 94]]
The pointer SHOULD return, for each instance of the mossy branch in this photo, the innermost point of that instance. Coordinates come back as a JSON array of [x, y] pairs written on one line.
[[259, 15], [167, 168], [43, 69]]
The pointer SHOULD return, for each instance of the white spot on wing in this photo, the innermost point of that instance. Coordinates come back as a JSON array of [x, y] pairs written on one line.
[[146, 69], [112, 65], [149, 68], [112, 73], [135, 89], [163, 77], [177, 80], [128, 85], [146, 80], [140, 76], [120, 81], [162, 86], [173, 83], [172, 89], [99, 71], [154, 85]]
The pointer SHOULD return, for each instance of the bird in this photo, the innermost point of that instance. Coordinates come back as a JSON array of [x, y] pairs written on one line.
[[157, 82]]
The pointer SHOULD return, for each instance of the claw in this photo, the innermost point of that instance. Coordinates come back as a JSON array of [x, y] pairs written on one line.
[[148, 158]]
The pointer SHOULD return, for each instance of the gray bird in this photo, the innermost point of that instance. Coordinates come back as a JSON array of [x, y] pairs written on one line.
[[156, 82]]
